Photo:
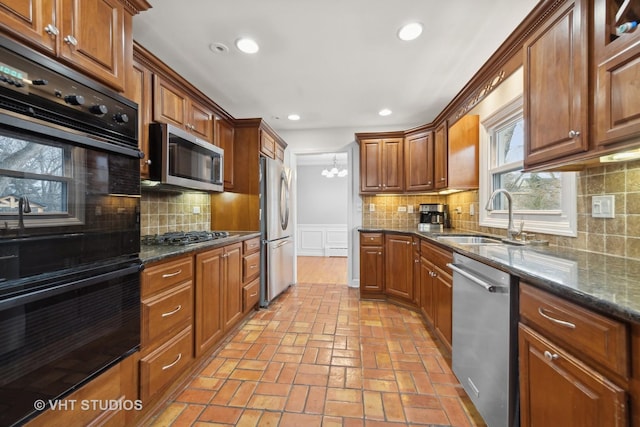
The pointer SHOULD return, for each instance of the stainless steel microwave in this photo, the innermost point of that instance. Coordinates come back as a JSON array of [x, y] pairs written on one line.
[[180, 159]]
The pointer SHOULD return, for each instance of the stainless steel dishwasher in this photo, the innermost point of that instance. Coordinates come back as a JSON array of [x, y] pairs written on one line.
[[484, 348]]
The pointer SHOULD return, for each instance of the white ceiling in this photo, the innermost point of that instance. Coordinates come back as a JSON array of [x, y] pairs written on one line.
[[336, 63]]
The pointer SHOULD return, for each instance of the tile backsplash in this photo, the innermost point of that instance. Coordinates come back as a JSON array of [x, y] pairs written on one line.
[[164, 212], [619, 236]]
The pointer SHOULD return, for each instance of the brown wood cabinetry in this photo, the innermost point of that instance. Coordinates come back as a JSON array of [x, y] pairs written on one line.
[[166, 325], [436, 289], [418, 162], [218, 294], [371, 265], [578, 354], [171, 104], [91, 36], [463, 153], [250, 273], [223, 132], [267, 145], [398, 266], [556, 87], [617, 108], [139, 90], [440, 157], [118, 384], [381, 165]]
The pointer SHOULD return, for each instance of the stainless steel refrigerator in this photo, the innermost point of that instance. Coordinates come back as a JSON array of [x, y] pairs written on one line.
[[277, 229]]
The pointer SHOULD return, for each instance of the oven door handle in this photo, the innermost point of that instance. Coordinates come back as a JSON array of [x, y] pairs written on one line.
[[66, 287], [488, 286]]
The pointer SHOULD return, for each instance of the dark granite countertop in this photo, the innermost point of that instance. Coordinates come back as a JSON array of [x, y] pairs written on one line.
[[605, 283], [149, 254]]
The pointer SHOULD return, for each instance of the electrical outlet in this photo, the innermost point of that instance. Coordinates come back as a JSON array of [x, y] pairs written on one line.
[[472, 210], [196, 209], [372, 207], [402, 208], [603, 206], [410, 209]]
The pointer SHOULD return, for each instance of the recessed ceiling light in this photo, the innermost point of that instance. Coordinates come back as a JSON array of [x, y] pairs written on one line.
[[293, 117], [218, 48], [385, 112], [410, 31], [247, 45]]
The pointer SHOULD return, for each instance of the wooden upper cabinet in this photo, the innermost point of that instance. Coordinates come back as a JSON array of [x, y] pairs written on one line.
[[34, 21], [223, 137], [92, 36], [88, 35], [200, 120], [418, 162], [381, 165], [440, 157], [463, 153], [617, 108], [556, 87], [267, 145], [139, 91]]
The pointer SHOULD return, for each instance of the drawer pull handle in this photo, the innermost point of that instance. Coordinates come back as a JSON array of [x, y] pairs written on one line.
[[559, 322], [254, 294], [253, 266], [549, 356], [166, 276], [169, 313], [165, 367]]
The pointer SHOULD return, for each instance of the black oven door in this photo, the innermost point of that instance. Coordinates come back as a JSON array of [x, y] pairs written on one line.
[[65, 200], [58, 331]]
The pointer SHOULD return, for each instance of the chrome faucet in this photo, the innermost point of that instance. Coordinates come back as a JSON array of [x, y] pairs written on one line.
[[23, 208], [512, 232]]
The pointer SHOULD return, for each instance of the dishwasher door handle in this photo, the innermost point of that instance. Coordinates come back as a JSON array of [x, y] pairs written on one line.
[[488, 286]]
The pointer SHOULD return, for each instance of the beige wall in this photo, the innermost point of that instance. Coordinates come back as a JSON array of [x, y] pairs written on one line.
[[618, 236]]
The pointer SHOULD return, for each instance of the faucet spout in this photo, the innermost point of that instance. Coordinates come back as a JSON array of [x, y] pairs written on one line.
[[512, 232], [23, 208]]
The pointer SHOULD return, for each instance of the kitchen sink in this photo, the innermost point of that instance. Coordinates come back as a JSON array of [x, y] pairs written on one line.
[[470, 240]]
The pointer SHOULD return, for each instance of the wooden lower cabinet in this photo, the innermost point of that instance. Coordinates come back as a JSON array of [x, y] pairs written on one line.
[[436, 289], [398, 266], [557, 389], [371, 265], [118, 384], [218, 294]]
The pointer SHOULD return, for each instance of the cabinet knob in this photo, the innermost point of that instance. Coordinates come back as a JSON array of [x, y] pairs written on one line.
[[442, 179], [379, 253], [408, 243], [148, 162], [70, 40], [550, 356], [52, 30], [416, 261], [574, 134]]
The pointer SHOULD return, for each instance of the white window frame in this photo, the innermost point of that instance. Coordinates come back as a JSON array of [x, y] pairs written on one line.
[[561, 223]]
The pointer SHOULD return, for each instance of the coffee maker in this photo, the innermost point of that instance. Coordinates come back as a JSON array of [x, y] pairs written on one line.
[[433, 217]]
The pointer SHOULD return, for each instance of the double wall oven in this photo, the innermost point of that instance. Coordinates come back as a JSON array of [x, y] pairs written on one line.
[[69, 231]]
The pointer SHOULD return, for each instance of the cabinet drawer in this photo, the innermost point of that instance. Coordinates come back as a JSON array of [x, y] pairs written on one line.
[[166, 274], [371, 239], [251, 294], [160, 367], [589, 334], [165, 311], [250, 266], [436, 255], [251, 246]]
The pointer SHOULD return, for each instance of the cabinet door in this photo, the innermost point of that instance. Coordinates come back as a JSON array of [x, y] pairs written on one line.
[[463, 152], [556, 102], [371, 166], [92, 37], [200, 121], [418, 162], [32, 20], [556, 389], [223, 132], [267, 145], [392, 165], [398, 266], [443, 287], [169, 103], [427, 293], [208, 307], [371, 261], [232, 291], [140, 92], [440, 157]]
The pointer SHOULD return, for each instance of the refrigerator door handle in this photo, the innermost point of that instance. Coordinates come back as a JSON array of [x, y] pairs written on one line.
[[281, 244], [285, 182]]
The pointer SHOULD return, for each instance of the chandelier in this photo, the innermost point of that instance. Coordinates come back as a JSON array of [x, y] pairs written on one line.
[[334, 171]]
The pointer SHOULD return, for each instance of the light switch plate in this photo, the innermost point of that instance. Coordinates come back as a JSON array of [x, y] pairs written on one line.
[[603, 206]]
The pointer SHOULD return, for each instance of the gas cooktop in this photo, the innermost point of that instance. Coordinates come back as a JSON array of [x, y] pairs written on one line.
[[181, 238]]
